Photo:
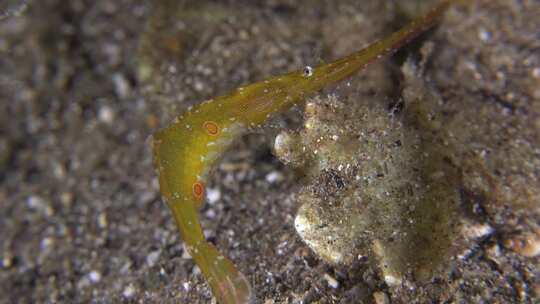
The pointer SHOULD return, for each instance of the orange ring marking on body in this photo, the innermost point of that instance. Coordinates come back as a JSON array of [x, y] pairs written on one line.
[[211, 128], [198, 190]]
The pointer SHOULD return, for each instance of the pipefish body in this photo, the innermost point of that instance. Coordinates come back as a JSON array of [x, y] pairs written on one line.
[[187, 149]]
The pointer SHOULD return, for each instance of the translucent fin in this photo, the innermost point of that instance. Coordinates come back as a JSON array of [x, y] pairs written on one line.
[[229, 286]]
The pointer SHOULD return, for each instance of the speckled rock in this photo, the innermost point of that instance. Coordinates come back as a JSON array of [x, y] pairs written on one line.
[[469, 156]]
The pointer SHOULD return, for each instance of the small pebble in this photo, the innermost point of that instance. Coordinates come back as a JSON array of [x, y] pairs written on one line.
[[477, 231], [102, 220], [153, 258], [94, 276], [213, 195], [333, 283], [210, 213], [106, 114], [381, 298], [484, 35], [58, 170], [121, 85], [536, 72], [391, 280], [66, 198], [209, 233], [494, 253], [532, 248], [129, 291], [199, 86], [274, 177], [37, 203], [7, 260], [46, 243], [527, 245]]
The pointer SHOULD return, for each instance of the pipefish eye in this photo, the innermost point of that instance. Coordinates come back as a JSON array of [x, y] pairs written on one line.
[[308, 71]]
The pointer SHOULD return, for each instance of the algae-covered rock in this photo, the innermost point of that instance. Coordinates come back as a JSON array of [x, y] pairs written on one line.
[[443, 170], [380, 187]]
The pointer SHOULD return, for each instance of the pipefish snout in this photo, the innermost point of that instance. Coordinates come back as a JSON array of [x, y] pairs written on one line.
[[186, 150]]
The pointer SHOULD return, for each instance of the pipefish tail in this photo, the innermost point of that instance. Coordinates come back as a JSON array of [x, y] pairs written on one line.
[[186, 150]]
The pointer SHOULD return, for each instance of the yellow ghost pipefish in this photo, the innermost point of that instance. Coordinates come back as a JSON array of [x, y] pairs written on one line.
[[187, 149]]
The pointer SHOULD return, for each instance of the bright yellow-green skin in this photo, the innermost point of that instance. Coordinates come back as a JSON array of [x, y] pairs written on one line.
[[186, 150]]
